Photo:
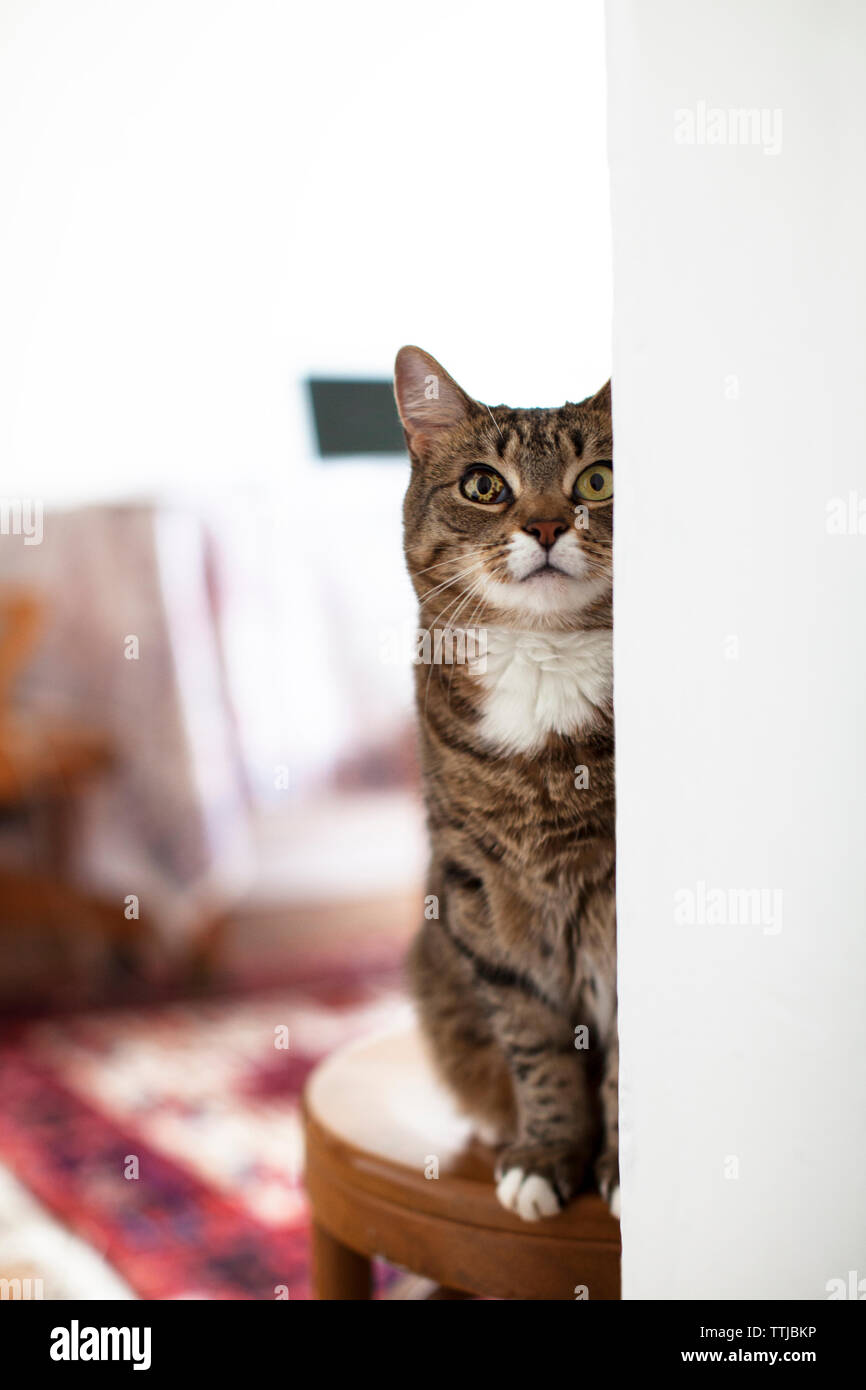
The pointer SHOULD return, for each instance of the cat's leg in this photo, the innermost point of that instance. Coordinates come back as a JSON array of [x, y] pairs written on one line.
[[506, 1049], [463, 1047], [597, 1003], [543, 1168], [607, 1163]]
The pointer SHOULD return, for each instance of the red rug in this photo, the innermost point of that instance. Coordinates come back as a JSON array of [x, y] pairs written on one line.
[[170, 1137]]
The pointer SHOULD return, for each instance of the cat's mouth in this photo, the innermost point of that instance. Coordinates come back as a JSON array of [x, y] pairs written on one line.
[[543, 584], [546, 572]]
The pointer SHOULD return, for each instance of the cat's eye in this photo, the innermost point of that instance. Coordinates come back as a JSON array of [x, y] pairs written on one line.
[[484, 485], [595, 484]]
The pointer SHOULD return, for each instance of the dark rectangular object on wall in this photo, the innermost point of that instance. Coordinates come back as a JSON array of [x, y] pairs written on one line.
[[355, 417]]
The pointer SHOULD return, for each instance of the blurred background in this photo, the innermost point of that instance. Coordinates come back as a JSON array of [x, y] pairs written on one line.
[[218, 222]]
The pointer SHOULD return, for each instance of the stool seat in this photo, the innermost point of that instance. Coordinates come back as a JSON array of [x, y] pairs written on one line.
[[394, 1170]]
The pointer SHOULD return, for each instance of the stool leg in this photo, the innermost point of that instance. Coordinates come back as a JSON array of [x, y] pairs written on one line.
[[338, 1272]]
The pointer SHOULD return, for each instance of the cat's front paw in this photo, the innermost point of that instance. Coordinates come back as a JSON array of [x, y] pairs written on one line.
[[534, 1182], [530, 1195]]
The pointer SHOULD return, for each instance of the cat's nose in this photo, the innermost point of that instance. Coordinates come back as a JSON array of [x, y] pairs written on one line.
[[546, 532]]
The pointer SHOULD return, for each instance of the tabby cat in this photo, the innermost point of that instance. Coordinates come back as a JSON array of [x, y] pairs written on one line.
[[508, 534]]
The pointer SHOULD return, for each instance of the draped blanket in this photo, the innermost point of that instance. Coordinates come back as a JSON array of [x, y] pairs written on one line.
[[130, 648]]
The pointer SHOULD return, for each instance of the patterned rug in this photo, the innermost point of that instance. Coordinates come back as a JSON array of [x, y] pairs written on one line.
[[169, 1138]]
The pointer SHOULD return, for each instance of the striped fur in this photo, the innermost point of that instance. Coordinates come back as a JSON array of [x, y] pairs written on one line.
[[520, 795]]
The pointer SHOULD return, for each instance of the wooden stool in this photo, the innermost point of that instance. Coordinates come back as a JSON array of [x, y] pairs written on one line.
[[392, 1170]]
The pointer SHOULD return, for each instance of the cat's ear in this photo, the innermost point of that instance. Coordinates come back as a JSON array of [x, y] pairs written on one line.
[[601, 399], [428, 399]]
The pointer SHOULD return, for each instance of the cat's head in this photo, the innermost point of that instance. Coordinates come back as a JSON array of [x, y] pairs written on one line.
[[509, 513]]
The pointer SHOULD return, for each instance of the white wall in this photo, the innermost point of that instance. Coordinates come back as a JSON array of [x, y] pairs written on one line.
[[739, 363], [202, 200]]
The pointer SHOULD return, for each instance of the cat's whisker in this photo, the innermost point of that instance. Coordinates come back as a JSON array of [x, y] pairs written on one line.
[[471, 592], [416, 574], [449, 604], [493, 418], [464, 593], [439, 563], [467, 593], [422, 545], [498, 572], [430, 592], [452, 579], [476, 589]]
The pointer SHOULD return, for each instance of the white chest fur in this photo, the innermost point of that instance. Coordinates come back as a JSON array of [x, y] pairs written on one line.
[[538, 683]]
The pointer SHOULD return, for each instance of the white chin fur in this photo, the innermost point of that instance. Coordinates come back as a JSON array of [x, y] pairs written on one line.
[[547, 593], [536, 590]]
